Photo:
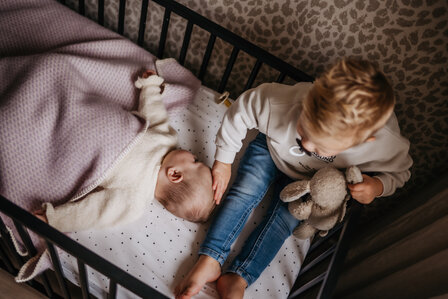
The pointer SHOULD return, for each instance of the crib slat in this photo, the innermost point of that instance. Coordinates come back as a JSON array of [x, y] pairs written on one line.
[[307, 286], [58, 269], [101, 12], [318, 259], [280, 78], [330, 234], [26, 239], [81, 7], [187, 36], [121, 13], [6, 261], [32, 252], [253, 74], [207, 55], [230, 63], [6, 240], [142, 27], [112, 290], [165, 25], [83, 279]]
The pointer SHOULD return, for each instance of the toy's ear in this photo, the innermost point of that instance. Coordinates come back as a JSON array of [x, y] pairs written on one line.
[[353, 175], [295, 190]]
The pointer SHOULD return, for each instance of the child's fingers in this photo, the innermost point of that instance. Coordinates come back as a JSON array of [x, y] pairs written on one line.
[[356, 187], [218, 196]]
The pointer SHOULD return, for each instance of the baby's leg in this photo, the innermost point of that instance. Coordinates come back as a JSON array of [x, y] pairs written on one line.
[[266, 240], [255, 174]]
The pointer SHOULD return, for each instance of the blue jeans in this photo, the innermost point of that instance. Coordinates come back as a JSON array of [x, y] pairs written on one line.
[[255, 175]]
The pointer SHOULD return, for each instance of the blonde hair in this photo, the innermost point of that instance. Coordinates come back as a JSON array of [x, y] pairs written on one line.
[[189, 199], [352, 96]]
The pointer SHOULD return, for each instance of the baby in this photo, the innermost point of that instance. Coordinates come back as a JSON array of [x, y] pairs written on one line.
[[154, 168]]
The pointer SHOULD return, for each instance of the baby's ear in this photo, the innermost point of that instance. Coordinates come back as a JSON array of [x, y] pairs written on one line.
[[174, 175], [295, 190]]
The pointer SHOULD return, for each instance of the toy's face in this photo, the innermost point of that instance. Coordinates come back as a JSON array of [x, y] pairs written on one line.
[[328, 188]]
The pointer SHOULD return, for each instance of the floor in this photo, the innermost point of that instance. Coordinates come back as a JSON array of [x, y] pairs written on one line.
[[10, 289]]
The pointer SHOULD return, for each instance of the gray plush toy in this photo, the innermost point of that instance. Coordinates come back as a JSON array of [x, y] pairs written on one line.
[[326, 203]]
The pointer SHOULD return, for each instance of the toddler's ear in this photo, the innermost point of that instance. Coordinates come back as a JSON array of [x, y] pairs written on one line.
[[174, 175], [371, 138]]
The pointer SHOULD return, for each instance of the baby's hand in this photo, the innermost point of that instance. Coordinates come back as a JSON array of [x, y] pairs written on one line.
[[366, 191], [148, 73], [221, 175], [41, 215]]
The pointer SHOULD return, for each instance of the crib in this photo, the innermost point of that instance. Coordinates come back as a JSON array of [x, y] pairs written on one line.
[[324, 257]]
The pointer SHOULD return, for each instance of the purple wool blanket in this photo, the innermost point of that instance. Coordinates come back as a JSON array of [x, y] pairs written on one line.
[[66, 96]]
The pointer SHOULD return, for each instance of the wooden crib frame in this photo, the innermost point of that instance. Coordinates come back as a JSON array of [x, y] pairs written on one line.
[[325, 253]]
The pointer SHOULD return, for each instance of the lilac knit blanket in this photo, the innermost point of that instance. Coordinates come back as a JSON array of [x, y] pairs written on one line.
[[66, 96]]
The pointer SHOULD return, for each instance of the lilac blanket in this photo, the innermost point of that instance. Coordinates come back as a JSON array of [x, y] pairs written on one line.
[[66, 94]]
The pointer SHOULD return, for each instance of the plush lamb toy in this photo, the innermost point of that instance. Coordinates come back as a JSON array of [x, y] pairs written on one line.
[[326, 203]]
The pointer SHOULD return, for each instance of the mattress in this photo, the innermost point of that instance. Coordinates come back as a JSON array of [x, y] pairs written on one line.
[[159, 249]]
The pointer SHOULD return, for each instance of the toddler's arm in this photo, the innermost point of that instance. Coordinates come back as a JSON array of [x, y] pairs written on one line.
[[241, 116], [368, 190], [391, 161]]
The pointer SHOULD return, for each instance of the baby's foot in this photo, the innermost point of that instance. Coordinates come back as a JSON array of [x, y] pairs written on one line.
[[205, 270], [231, 286]]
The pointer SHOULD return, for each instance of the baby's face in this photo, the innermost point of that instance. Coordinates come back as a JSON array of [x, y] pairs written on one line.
[[323, 146], [189, 164]]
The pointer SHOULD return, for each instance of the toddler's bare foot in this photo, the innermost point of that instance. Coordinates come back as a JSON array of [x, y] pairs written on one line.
[[231, 286], [205, 270]]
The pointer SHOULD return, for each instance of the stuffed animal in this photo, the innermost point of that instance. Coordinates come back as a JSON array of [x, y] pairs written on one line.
[[325, 204]]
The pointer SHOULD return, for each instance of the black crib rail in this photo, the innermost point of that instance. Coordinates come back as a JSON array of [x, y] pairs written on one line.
[[216, 31], [84, 256]]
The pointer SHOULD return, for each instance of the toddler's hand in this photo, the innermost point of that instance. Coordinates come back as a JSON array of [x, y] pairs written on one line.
[[221, 175], [366, 191], [41, 215]]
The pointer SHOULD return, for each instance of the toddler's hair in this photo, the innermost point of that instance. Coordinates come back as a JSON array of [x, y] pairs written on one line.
[[352, 97], [189, 199]]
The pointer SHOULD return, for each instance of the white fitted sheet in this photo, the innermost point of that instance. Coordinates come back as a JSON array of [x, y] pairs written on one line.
[[160, 249]]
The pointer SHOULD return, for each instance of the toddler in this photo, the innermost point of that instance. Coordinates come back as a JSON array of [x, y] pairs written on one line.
[[153, 168], [344, 118]]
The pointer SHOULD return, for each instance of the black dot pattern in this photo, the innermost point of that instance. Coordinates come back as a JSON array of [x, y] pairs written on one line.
[[160, 249]]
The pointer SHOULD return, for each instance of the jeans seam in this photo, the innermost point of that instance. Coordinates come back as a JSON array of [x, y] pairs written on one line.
[[241, 272], [212, 253], [248, 259], [245, 215]]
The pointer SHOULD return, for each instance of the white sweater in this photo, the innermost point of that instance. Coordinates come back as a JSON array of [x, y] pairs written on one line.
[[123, 195], [274, 109]]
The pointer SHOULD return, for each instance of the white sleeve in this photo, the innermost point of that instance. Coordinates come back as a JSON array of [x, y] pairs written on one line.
[[151, 107], [243, 114], [396, 178], [100, 209]]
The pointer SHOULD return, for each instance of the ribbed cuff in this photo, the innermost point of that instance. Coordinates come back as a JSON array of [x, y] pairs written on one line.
[[224, 156]]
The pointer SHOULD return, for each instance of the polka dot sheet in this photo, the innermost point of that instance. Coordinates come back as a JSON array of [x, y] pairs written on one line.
[[159, 248]]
